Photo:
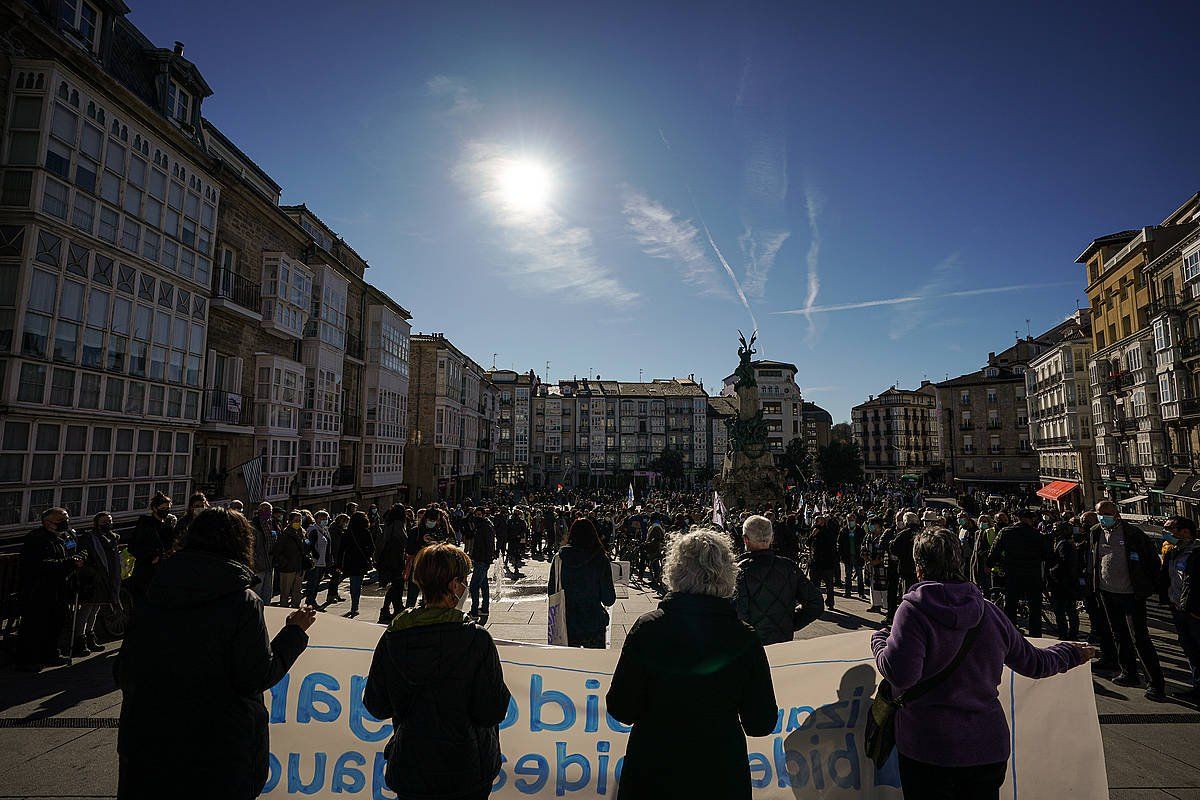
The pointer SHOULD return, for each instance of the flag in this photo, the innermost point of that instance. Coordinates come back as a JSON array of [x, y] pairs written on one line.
[[718, 515], [629, 497], [252, 475]]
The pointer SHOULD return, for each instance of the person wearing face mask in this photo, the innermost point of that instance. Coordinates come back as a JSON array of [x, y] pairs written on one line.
[[850, 541], [46, 565], [1022, 551], [148, 544], [1179, 588], [288, 557], [317, 537], [437, 676], [98, 581], [1125, 568], [356, 557], [875, 551], [1063, 574], [266, 532], [196, 503]]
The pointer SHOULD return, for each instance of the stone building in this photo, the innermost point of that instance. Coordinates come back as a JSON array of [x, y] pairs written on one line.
[[451, 411], [779, 400], [722, 411], [816, 425], [515, 462], [1060, 416], [108, 211], [1140, 347], [898, 433]]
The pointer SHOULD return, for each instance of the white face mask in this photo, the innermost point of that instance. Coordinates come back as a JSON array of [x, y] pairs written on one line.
[[462, 600]]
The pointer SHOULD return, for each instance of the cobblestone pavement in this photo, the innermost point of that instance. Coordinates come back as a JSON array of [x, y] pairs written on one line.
[[58, 729]]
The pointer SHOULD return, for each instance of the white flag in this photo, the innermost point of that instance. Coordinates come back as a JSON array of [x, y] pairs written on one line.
[[718, 515], [629, 497]]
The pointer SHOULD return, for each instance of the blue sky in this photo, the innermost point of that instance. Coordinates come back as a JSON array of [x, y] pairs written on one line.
[[710, 164]]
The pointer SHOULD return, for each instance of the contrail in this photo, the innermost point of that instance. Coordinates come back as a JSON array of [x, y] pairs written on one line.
[[720, 257], [814, 253], [916, 298]]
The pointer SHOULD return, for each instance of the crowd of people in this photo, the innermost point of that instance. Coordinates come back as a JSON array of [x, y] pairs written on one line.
[[953, 588]]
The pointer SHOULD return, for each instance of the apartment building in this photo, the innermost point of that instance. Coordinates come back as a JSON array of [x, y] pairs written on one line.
[[898, 433], [779, 400], [1059, 398], [1127, 409], [452, 410], [722, 412], [108, 214], [817, 427], [515, 427]]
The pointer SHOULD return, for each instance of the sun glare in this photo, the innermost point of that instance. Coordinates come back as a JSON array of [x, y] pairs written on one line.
[[525, 185]]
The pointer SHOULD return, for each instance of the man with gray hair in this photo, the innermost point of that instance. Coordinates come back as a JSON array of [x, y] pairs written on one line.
[[772, 595]]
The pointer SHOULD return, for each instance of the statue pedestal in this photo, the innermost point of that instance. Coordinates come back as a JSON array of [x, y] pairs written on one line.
[[751, 483]]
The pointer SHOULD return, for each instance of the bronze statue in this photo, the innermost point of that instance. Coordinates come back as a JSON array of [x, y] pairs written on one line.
[[746, 351]]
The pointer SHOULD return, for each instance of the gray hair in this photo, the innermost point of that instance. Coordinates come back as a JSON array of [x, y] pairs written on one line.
[[938, 556], [911, 517], [701, 562], [758, 529]]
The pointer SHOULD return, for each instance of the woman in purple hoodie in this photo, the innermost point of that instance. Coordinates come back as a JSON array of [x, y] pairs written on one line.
[[953, 742]]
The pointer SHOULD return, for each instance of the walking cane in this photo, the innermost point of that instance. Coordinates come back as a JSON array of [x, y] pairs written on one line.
[[71, 640]]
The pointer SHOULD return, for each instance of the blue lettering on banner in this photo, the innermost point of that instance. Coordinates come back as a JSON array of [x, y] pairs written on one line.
[[562, 784], [346, 775], [312, 692], [531, 765], [359, 715], [297, 784], [539, 698]]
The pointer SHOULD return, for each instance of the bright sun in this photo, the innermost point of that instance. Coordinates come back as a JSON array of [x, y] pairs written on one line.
[[525, 185]]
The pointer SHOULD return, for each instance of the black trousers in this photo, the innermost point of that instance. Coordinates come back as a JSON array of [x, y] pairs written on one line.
[[1066, 614], [1127, 625], [931, 782], [1029, 590], [42, 624]]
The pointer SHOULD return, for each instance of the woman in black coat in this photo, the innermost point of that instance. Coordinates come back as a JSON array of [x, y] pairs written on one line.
[[437, 676], [587, 580], [393, 554], [355, 557], [694, 682], [1065, 573], [197, 659]]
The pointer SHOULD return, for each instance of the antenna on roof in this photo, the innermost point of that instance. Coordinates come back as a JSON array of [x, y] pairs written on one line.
[[639, 374], [494, 361], [1028, 332]]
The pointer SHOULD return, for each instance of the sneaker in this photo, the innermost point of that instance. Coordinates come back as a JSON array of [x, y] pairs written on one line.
[[1127, 679], [94, 645], [1156, 694]]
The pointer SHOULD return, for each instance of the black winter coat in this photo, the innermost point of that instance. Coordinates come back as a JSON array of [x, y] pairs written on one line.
[[146, 544], [290, 548], [355, 556], [694, 682], [45, 566], [482, 544], [823, 542], [769, 590], [265, 535], [99, 581], [1021, 551], [901, 549], [437, 676], [587, 581], [850, 541], [392, 554], [1185, 560], [198, 655], [1066, 570]]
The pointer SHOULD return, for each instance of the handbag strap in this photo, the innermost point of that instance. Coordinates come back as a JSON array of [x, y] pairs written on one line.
[[557, 566], [921, 688]]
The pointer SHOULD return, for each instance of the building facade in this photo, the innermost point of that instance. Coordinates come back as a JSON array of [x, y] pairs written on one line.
[[452, 408], [1058, 393], [108, 215], [898, 433], [779, 400], [817, 427], [515, 462]]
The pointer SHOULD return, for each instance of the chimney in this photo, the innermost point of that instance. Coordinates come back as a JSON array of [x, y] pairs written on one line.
[[179, 49]]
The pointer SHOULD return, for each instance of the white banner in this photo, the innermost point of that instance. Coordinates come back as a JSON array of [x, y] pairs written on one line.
[[558, 741]]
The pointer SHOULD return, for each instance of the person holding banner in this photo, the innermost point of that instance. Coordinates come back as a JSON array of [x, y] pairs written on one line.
[[437, 676], [200, 657], [953, 740], [587, 580], [693, 681]]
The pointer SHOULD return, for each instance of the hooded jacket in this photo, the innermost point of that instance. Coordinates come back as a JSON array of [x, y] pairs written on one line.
[[198, 654], [587, 581], [437, 676], [960, 722]]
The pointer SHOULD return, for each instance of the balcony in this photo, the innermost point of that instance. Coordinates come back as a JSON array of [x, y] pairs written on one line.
[[354, 347], [351, 425], [237, 290], [344, 476], [1161, 305], [227, 408], [1189, 347], [1189, 407], [1052, 441], [994, 425], [966, 426]]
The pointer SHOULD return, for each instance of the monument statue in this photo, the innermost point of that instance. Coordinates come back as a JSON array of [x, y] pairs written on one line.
[[749, 477]]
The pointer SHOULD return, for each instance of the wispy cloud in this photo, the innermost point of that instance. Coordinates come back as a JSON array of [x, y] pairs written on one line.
[[729, 271], [664, 235], [663, 136], [760, 249], [813, 203], [550, 254], [917, 298], [819, 389], [458, 96]]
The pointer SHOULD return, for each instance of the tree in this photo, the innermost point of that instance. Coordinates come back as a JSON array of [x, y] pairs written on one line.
[[669, 464], [842, 432], [704, 475], [840, 463], [796, 461]]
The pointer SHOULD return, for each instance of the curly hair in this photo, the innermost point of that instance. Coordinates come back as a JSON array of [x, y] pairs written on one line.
[[224, 533], [701, 562]]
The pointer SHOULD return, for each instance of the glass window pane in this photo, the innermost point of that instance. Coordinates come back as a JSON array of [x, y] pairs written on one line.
[[71, 304], [97, 312], [42, 289]]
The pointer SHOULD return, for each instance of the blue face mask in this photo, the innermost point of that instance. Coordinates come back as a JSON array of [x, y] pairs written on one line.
[[1108, 520], [1170, 537]]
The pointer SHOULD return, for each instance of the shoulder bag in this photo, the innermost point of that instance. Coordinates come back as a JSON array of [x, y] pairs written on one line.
[[880, 736]]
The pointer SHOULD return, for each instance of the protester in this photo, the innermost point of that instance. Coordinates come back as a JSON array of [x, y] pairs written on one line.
[[1126, 567], [46, 563], [150, 542], [436, 675], [432, 527], [850, 553], [391, 560], [1064, 578], [356, 557], [266, 532], [97, 582], [823, 567], [337, 544], [773, 595], [196, 503], [693, 681], [953, 741], [1022, 551], [587, 581], [875, 550], [481, 546], [290, 558], [200, 655], [317, 545], [1179, 587]]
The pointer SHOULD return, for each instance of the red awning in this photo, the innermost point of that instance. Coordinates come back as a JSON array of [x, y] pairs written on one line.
[[1056, 489]]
